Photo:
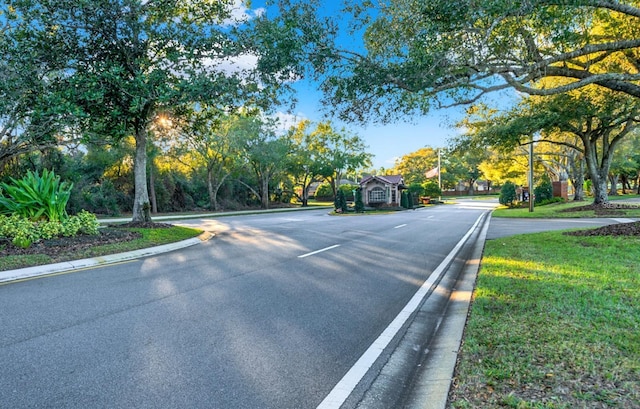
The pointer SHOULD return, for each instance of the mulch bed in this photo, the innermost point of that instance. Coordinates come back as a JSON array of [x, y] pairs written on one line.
[[64, 245]]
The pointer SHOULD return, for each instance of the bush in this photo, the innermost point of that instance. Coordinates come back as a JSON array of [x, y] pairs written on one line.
[[36, 197], [507, 194], [544, 190], [431, 188], [340, 203], [324, 190], [359, 205], [23, 232]]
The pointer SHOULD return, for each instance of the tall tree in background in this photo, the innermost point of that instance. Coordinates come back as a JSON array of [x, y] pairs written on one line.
[[307, 162], [125, 60], [414, 165], [343, 151], [599, 121], [263, 153]]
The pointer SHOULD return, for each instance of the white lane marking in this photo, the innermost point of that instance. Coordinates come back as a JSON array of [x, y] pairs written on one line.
[[319, 251], [339, 394], [400, 226]]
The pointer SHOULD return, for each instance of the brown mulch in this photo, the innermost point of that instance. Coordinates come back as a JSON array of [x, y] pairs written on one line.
[[620, 229], [607, 210], [55, 248]]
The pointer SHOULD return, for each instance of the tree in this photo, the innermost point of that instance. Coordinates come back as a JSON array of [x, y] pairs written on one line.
[[32, 117], [307, 162], [414, 165], [598, 119], [342, 151], [128, 60], [264, 154], [419, 54]]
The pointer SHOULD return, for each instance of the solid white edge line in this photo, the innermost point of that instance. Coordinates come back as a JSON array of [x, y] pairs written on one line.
[[350, 380], [318, 251]]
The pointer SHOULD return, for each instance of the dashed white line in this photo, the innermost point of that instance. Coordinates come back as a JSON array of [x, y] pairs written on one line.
[[318, 251], [400, 226]]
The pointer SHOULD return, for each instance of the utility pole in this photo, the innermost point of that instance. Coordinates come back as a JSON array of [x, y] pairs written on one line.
[[531, 175]]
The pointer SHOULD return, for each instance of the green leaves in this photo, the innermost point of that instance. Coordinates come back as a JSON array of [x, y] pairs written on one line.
[[36, 197]]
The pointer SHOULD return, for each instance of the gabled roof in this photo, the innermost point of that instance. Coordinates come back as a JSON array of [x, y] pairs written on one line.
[[387, 179]]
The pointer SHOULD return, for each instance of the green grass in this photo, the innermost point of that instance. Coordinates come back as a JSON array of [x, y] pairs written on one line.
[[555, 323], [150, 238], [562, 210]]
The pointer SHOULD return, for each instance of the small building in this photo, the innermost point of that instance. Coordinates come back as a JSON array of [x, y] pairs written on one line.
[[382, 191]]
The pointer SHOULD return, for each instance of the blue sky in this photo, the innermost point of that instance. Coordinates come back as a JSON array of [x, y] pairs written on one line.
[[385, 142]]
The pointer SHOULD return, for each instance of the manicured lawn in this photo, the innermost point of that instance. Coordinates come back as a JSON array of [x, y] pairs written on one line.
[[563, 210], [555, 323]]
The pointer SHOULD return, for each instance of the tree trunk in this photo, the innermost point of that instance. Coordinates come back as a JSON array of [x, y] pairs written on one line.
[[141, 207], [152, 190], [265, 191], [577, 173], [213, 202], [613, 179]]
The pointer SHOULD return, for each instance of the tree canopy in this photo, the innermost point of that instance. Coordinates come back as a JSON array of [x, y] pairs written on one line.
[[419, 54]]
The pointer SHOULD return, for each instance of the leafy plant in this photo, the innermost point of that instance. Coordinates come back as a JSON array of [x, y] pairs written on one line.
[[359, 204], [36, 197], [507, 194], [544, 190]]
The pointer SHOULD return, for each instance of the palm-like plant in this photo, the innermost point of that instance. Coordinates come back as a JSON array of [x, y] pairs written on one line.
[[36, 197]]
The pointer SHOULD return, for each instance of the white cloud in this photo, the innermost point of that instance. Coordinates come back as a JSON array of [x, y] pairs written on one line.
[[287, 120], [240, 13]]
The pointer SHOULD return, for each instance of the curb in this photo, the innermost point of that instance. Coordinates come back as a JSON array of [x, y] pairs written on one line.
[[49, 269]]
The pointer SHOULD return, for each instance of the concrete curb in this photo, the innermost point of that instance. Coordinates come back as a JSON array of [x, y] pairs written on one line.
[[48, 269], [433, 383]]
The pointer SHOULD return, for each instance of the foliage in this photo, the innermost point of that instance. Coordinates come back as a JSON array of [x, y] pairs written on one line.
[[544, 190], [404, 201], [431, 189], [359, 204], [36, 196], [324, 190], [507, 194], [127, 62], [340, 203], [408, 66], [23, 232], [597, 121], [414, 165]]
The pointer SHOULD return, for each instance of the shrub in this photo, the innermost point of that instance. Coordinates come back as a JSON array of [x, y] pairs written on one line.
[[36, 197], [544, 190], [359, 205], [324, 190], [507, 194], [340, 203], [431, 188]]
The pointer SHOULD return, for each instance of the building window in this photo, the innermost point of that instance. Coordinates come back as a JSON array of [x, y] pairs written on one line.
[[377, 195]]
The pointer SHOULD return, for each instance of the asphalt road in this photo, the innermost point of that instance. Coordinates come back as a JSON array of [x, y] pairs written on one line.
[[270, 313]]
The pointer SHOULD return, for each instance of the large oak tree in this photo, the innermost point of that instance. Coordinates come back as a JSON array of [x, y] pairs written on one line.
[[126, 60]]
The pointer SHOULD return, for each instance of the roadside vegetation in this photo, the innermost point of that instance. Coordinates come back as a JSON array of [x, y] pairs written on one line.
[[555, 319], [110, 240], [572, 209]]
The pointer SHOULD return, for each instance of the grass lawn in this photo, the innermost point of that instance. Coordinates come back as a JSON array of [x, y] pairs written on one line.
[[149, 238], [555, 323], [563, 210]]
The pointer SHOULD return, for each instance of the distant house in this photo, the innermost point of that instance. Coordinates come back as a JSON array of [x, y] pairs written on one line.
[[380, 191]]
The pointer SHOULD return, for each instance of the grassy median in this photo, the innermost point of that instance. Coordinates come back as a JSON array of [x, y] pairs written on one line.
[[555, 323]]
